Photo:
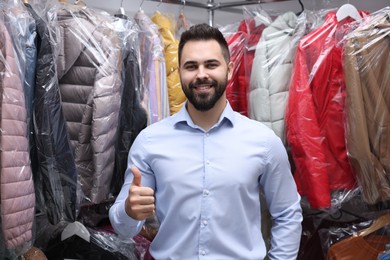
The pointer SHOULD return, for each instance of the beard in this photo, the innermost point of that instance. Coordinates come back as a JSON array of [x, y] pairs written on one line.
[[205, 101]]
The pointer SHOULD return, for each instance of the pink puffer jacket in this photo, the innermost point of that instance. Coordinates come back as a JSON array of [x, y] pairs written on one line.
[[17, 196]]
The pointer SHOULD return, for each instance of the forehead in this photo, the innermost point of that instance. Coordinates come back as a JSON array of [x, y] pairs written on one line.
[[200, 50]]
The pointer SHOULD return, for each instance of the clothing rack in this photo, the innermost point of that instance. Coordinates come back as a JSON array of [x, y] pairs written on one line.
[[211, 5]]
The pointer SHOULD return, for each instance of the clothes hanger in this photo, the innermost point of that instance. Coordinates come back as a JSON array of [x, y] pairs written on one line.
[[121, 10], [302, 7], [261, 16], [158, 6], [183, 23], [80, 3], [140, 6], [348, 10], [377, 224], [76, 228]]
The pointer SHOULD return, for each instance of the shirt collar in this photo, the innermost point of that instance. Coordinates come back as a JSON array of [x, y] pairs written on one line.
[[183, 117]]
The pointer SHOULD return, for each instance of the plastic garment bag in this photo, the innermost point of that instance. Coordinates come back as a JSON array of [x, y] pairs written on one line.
[[17, 197], [171, 44], [271, 70], [235, 90], [250, 29], [315, 115], [55, 179], [366, 60], [153, 69], [89, 75], [133, 116]]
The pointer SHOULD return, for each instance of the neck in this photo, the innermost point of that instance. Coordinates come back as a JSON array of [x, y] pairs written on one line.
[[207, 119]]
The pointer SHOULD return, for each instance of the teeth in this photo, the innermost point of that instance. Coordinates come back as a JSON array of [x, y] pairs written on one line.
[[203, 87]]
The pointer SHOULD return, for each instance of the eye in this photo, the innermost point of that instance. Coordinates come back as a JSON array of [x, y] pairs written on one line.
[[190, 67], [212, 65]]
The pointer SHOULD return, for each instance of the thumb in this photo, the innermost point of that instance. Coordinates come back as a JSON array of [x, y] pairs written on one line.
[[137, 176]]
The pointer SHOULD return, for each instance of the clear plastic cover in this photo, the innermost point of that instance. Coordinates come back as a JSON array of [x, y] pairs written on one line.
[[271, 70], [77, 107], [366, 61], [242, 37], [315, 120], [236, 89], [167, 27], [17, 195], [354, 232], [133, 116], [153, 69], [183, 24]]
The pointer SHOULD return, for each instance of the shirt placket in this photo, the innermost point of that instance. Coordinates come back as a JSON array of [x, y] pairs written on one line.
[[204, 233]]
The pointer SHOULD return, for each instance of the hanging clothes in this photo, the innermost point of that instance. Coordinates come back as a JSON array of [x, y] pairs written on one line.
[[171, 45], [133, 117], [271, 72], [235, 90], [252, 28], [56, 178], [153, 69], [90, 83], [315, 114], [366, 61], [17, 197]]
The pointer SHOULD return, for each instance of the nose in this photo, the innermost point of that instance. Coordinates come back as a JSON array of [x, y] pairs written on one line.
[[202, 73]]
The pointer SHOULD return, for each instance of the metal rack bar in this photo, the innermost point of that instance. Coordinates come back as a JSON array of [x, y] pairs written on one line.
[[211, 6]]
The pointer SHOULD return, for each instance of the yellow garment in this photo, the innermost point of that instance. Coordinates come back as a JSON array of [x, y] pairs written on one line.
[[171, 44]]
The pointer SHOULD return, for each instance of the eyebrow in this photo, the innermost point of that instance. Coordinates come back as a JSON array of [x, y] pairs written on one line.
[[195, 63]]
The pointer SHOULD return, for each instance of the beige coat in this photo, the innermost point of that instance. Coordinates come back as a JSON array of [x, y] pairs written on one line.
[[366, 59]]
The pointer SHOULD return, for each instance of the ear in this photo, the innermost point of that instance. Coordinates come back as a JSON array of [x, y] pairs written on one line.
[[230, 70]]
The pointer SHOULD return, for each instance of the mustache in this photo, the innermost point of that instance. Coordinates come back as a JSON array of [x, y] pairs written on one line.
[[203, 82]]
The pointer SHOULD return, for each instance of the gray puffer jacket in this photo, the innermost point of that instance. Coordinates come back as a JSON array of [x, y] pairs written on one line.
[[89, 74]]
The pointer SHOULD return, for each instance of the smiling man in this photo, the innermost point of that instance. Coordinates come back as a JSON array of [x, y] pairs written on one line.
[[201, 170]]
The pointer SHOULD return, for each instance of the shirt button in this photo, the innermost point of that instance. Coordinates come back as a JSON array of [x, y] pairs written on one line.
[[205, 222], [206, 193], [202, 252], [207, 134], [208, 162]]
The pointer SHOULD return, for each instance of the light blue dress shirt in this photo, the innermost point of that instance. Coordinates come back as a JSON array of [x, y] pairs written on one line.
[[207, 189]]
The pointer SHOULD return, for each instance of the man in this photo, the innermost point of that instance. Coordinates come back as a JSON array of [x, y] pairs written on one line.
[[201, 170]]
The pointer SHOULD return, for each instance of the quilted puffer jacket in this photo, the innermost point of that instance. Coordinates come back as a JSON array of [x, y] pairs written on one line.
[[271, 73], [17, 196], [55, 176], [89, 75], [171, 44]]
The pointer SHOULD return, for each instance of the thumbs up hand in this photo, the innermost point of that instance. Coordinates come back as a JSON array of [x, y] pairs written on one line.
[[140, 201]]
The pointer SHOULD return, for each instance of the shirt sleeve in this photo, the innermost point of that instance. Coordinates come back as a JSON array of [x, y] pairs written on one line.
[[283, 202], [123, 224]]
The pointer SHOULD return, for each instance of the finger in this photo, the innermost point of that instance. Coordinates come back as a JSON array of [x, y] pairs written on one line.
[[143, 209], [137, 176], [143, 200], [146, 191]]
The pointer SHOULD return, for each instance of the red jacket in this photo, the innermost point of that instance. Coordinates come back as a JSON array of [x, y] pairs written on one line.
[[236, 90], [315, 114], [242, 46]]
